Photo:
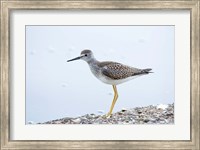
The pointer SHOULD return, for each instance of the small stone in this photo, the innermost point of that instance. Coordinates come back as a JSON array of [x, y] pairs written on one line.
[[78, 120], [141, 122], [153, 120], [30, 122], [57, 122], [133, 121], [124, 109], [120, 113], [162, 122], [166, 121], [32, 52], [169, 114], [139, 111], [146, 120], [161, 106], [92, 116], [65, 119]]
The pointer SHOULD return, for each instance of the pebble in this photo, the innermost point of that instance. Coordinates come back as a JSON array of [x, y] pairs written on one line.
[[153, 120], [77, 121], [146, 120], [164, 114], [30, 122], [124, 109], [161, 106]]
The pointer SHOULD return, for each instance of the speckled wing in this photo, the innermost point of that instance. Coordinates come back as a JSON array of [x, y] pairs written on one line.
[[118, 71]]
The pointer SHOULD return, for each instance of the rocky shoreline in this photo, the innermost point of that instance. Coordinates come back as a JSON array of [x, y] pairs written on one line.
[[153, 114]]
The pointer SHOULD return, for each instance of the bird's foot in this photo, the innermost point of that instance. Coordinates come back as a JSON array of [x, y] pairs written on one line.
[[108, 115]]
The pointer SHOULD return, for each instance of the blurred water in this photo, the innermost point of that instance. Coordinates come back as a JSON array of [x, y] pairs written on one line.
[[57, 89]]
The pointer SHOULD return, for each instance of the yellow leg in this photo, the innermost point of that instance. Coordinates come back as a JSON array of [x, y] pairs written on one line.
[[114, 100]]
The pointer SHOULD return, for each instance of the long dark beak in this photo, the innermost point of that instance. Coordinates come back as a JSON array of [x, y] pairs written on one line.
[[74, 59]]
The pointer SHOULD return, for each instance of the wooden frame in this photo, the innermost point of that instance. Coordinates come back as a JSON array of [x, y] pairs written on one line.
[[7, 6]]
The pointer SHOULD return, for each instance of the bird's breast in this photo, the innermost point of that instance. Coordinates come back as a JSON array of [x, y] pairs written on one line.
[[95, 70]]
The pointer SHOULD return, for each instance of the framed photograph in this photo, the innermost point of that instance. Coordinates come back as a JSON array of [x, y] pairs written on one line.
[[100, 75]]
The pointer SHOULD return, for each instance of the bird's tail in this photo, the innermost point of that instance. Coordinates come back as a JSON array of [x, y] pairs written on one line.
[[148, 70]]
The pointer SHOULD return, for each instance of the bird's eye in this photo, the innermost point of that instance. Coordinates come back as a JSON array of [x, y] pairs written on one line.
[[85, 54]]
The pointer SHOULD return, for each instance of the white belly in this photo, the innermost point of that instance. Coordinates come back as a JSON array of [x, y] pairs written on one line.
[[116, 82]]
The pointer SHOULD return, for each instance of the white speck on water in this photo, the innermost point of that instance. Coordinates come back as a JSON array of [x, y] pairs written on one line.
[[70, 49], [51, 49], [141, 41], [162, 106], [64, 85], [100, 111], [109, 93], [167, 92], [32, 52]]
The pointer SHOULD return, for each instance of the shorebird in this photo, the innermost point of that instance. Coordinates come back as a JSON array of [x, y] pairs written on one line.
[[109, 72]]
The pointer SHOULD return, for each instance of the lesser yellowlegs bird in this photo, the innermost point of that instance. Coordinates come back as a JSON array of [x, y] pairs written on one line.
[[109, 72]]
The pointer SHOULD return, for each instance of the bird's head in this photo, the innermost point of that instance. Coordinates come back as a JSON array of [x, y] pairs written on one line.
[[85, 55]]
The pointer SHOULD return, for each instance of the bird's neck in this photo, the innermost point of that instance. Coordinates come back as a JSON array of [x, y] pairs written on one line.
[[92, 61]]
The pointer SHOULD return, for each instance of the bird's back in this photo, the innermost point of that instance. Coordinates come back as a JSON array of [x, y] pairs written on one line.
[[118, 71]]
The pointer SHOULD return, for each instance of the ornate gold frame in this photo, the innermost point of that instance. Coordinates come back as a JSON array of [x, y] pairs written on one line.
[[6, 7]]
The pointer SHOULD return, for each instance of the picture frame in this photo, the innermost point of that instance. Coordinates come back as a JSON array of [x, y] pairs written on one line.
[[8, 6]]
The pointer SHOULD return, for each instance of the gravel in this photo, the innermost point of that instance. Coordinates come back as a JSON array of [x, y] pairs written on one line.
[[159, 114]]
